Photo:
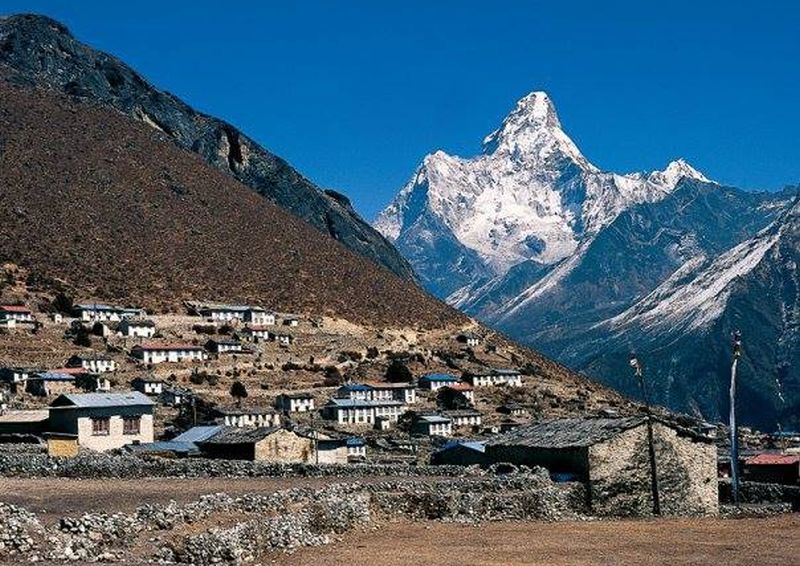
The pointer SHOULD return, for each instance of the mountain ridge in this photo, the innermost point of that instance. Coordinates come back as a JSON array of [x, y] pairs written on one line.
[[39, 51]]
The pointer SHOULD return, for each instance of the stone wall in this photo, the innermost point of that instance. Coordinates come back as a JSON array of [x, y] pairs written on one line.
[[620, 474]]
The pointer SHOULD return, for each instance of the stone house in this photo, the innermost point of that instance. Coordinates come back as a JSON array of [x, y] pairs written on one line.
[[434, 381], [18, 313], [241, 417], [284, 339], [356, 448], [148, 385], [175, 396], [357, 391], [173, 353], [224, 346], [49, 383], [8, 324], [513, 410], [509, 377], [94, 363], [610, 455], [359, 412], [130, 328], [259, 317], [103, 421], [291, 320], [23, 422], [15, 376], [433, 425], [263, 444], [297, 402], [464, 418], [464, 388], [470, 339]]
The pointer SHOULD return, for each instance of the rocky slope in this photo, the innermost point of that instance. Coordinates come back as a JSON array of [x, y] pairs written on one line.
[[101, 206], [37, 51]]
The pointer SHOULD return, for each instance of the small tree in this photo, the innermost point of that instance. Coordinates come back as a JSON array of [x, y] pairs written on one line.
[[82, 338], [62, 303], [398, 372], [451, 399], [238, 392]]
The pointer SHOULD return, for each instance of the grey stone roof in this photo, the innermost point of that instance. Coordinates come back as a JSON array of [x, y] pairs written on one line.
[[236, 435], [91, 400], [566, 433]]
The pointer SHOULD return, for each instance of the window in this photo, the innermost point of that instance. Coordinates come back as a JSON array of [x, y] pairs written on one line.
[[131, 425], [100, 426]]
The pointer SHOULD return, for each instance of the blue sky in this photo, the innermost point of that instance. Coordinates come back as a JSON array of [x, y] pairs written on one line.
[[354, 94]]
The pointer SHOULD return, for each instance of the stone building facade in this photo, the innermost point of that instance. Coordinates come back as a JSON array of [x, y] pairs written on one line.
[[611, 457]]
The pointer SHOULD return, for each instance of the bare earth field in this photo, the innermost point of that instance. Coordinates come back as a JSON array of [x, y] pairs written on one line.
[[670, 541], [774, 540]]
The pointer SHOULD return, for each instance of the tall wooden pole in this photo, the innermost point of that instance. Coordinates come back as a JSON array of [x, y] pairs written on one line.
[[651, 447], [737, 353]]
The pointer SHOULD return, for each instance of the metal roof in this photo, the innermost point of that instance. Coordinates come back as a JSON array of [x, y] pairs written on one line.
[[434, 419], [198, 433], [773, 460], [470, 444], [355, 387], [236, 435], [96, 400], [165, 446], [438, 377], [360, 403], [355, 441]]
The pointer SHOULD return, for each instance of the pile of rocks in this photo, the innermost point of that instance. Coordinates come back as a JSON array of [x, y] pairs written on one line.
[[19, 530]]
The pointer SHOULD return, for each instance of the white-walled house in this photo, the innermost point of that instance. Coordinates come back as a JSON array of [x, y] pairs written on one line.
[[103, 421], [92, 363], [299, 402], [406, 393], [470, 339], [148, 385], [245, 313], [493, 377], [18, 313], [242, 417], [255, 333], [354, 411], [356, 448], [433, 425], [465, 389], [96, 312], [224, 346], [137, 328], [465, 417], [173, 353], [282, 338], [259, 317]]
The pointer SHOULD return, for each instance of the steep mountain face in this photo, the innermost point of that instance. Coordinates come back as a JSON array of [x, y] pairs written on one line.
[[532, 238], [685, 326], [101, 206], [40, 52], [530, 196]]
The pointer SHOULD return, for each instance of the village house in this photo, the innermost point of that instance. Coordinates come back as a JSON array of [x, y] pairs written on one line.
[[28, 422], [16, 375], [103, 421], [173, 353], [284, 339], [432, 425], [464, 388], [104, 313], [18, 313], [434, 381], [610, 455], [291, 320], [358, 412], [295, 402], [460, 453], [406, 393], [356, 449], [93, 363], [773, 468], [262, 444], [245, 313], [53, 382], [383, 423], [224, 346], [507, 377], [513, 410], [470, 339], [255, 333], [463, 418], [57, 317], [247, 416], [8, 324], [140, 328], [356, 391], [148, 385], [175, 396]]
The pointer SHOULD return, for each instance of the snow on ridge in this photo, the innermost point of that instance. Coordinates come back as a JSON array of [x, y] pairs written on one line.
[[701, 300]]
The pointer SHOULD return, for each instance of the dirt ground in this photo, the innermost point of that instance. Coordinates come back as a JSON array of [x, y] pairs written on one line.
[[670, 541]]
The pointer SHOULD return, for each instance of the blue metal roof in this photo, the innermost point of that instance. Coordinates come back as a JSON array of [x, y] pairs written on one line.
[[93, 400], [198, 433], [360, 403], [165, 446], [355, 441], [471, 444], [438, 377], [356, 387]]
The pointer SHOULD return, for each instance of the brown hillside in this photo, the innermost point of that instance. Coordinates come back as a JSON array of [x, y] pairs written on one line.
[[103, 207]]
